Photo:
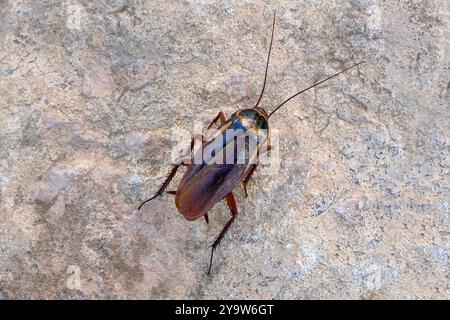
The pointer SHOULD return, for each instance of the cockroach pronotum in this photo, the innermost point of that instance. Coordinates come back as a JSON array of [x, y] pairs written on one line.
[[210, 181]]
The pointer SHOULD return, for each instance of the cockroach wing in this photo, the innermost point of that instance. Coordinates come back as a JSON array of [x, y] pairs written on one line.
[[210, 185], [225, 161]]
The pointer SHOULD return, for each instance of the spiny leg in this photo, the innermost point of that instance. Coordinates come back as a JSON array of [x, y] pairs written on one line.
[[233, 208], [172, 173], [167, 181], [252, 170], [247, 178], [220, 117], [163, 186], [194, 138], [169, 178]]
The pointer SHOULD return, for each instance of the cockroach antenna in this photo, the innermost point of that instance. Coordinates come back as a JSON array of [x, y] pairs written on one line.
[[267, 63], [314, 85], [300, 92]]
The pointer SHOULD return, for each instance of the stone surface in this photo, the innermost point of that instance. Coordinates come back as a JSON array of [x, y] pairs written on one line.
[[90, 91]]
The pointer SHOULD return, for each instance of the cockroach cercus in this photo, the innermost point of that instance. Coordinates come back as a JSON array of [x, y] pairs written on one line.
[[228, 157]]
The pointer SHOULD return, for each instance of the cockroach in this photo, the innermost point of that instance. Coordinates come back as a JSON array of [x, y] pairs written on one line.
[[206, 183]]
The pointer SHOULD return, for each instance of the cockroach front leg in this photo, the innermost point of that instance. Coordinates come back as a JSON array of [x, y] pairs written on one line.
[[233, 208], [201, 137], [220, 117]]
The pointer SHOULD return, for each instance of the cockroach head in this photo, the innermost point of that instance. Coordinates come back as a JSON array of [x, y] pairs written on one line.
[[253, 121]]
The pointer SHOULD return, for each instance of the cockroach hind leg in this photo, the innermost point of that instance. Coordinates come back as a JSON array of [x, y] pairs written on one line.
[[221, 117], [210, 261], [219, 239], [247, 178], [233, 208], [245, 190], [206, 218]]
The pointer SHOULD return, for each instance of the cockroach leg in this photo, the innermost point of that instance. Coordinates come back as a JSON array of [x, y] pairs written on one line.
[[233, 208], [163, 186], [206, 218], [220, 117], [201, 137], [170, 176], [252, 170], [269, 148], [172, 192], [247, 178], [185, 163], [196, 137], [161, 190]]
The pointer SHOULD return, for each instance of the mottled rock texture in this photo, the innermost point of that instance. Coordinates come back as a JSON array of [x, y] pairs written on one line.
[[89, 94]]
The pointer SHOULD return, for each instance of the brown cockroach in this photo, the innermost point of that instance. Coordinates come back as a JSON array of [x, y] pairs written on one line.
[[210, 181]]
